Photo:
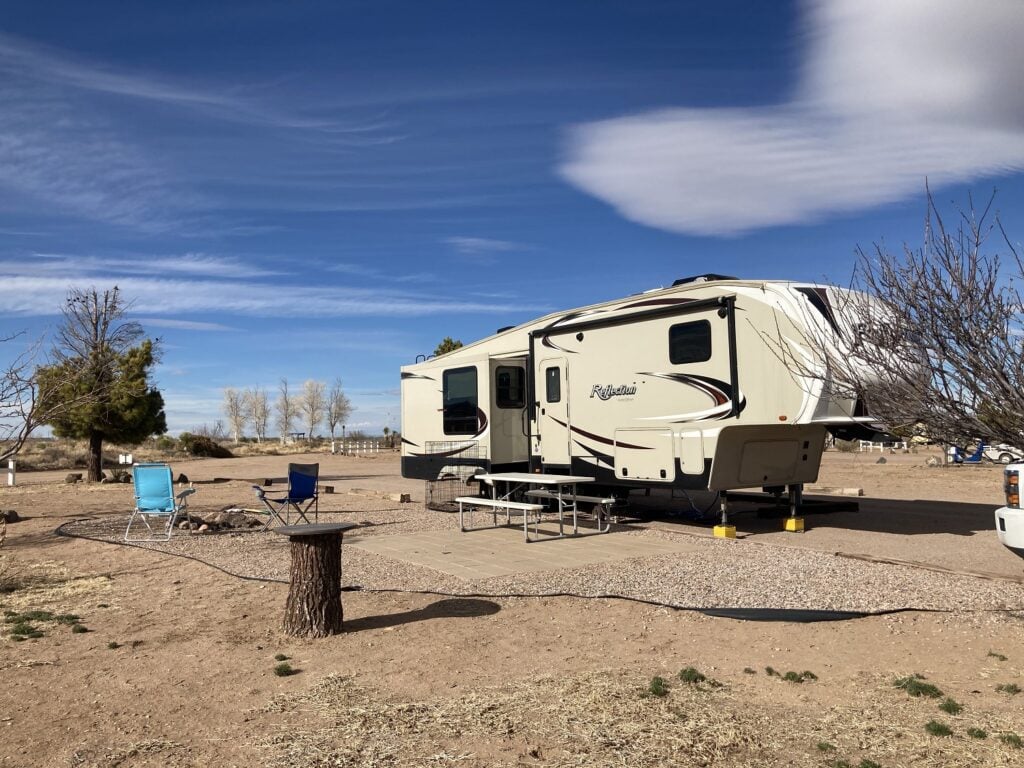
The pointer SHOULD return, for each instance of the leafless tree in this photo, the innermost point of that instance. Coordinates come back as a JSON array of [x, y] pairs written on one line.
[[287, 409], [258, 411], [338, 407], [235, 411], [934, 334], [313, 405], [20, 413]]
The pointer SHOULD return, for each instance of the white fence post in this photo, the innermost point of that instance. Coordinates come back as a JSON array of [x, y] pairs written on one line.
[[10, 472]]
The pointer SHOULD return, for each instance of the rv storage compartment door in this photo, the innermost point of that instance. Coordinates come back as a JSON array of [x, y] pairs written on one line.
[[690, 451], [644, 454], [747, 457]]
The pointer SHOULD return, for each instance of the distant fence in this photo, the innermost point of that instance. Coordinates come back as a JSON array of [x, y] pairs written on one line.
[[898, 445], [356, 447]]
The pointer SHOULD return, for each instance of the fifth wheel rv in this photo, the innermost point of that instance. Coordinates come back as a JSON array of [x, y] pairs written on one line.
[[711, 384]]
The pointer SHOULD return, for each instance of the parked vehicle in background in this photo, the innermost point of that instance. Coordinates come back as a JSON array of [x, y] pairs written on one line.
[[1010, 519], [1003, 453]]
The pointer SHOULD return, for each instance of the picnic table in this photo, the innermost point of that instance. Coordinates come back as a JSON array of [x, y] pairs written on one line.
[[560, 488]]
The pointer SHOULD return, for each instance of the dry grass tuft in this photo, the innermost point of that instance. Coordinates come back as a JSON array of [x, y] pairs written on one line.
[[593, 719]]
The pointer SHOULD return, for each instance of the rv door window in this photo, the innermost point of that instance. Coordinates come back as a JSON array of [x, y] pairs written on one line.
[[553, 384], [689, 342], [509, 387], [460, 401]]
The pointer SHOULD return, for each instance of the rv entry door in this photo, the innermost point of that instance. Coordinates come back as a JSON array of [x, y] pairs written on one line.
[[553, 415]]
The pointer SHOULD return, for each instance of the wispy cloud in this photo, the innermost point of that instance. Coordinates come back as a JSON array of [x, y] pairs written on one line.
[[199, 264], [482, 249], [183, 325], [890, 93], [68, 139], [21, 58], [41, 296]]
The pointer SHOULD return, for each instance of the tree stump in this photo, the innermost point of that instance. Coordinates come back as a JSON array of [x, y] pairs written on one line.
[[313, 608]]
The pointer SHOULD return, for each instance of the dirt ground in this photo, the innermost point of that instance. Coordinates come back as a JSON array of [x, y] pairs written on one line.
[[177, 665]]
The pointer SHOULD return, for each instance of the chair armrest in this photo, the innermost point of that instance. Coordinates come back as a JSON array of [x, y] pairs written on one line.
[[186, 492]]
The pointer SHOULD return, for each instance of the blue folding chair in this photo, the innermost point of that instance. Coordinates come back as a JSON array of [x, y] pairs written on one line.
[[302, 495], [154, 497]]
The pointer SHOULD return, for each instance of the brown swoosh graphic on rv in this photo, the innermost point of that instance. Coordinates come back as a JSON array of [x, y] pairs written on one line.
[[601, 457], [598, 438], [481, 419], [719, 391]]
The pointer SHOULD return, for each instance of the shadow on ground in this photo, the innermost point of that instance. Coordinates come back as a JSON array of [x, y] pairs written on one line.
[[442, 609], [904, 518]]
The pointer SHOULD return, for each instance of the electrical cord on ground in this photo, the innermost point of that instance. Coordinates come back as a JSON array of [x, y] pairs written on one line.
[[797, 615]]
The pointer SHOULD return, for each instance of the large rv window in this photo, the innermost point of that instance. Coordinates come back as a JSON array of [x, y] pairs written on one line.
[[689, 342], [553, 384], [460, 401], [509, 387]]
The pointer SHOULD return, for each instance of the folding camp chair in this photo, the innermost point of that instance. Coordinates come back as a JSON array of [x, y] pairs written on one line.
[[301, 496], [154, 497]]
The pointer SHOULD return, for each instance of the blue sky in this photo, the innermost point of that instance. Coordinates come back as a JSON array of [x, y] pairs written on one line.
[[323, 190]]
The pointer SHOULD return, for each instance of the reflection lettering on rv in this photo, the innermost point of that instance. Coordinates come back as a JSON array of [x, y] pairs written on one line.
[[608, 391]]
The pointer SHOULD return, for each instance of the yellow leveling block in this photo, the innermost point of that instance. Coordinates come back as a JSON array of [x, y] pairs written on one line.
[[725, 531], [793, 525]]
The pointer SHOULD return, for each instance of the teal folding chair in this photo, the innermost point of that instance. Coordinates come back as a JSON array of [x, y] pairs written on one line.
[[154, 498]]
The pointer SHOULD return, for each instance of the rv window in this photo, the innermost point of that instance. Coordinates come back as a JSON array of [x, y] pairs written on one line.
[[689, 342], [553, 384], [460, 401], [509, 387]]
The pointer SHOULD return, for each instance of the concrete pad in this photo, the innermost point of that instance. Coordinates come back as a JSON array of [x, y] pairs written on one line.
[[491, 552]]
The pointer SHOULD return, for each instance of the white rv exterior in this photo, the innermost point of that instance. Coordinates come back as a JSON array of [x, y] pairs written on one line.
[[709, 384]]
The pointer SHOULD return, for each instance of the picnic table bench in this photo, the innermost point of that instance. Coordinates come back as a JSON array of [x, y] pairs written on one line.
[[602, 504], [509, 507]]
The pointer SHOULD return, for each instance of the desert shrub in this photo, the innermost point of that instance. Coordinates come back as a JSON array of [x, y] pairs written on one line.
[[935, 728], [846, 446], [916, 688], [951, 706], [1012, 740], [165, 443], [657, 687], [201, 445], [692, 676]]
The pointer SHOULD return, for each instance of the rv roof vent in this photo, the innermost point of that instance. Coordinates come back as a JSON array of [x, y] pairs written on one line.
[[702, 279], [505, 328]]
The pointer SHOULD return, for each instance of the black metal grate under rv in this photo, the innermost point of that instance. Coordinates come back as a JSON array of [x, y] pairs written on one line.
[[462, 459]]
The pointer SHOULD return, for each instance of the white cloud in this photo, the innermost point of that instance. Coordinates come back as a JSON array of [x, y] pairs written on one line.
[[44, 295], [199, 264], [482, 249], [890, 93], [183, 325], [474, 245]]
